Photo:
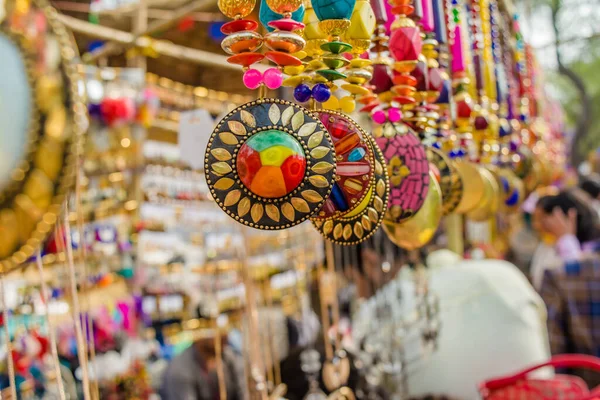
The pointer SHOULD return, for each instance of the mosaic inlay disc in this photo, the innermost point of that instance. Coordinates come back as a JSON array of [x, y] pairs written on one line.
[[354, 158], [408, 169], [270, 164], [448, 178], [364, 220]]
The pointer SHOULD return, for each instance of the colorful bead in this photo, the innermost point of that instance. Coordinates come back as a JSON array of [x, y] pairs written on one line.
[[252, 79], [238, 25], [427, 21], [302, 93], [394, 115], [357, 154], [332, 104], [378, 117], [406, 44], [273, 78], [271, 163], [458, 56], [266, 15], [347, 104], [321, 92], [328, 9]]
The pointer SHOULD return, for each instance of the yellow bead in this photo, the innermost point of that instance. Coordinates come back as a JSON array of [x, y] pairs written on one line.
[[332, 104], [293, 70], [348, 104], [363, 21]]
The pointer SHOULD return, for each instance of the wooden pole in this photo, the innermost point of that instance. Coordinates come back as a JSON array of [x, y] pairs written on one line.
[[162, 47], [148, 30]]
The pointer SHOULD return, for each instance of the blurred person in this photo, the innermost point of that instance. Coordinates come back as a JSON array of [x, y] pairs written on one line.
[[567, 226], [591, 185], [572, 292], [192, 375]]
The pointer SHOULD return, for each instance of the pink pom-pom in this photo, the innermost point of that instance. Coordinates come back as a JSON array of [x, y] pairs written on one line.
[[378, 117], [252, 78], [273, 78], [394, 114]]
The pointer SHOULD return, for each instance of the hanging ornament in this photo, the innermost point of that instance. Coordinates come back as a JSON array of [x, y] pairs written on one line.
[[270, 164], [448, 178], [358, 225], [407, 168], [43, 121], [354, 174]]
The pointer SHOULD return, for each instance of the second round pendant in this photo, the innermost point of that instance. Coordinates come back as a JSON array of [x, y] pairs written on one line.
[[270, 164], [359, 224]]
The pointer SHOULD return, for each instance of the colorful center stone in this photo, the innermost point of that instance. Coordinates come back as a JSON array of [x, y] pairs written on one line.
[[271, 164]]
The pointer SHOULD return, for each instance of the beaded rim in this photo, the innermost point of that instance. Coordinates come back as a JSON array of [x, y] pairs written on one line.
[[348, 231], [38, 214], [235, 198]]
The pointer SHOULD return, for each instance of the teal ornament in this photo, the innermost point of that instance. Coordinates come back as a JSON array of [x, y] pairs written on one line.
[[333, 9], [267, 15]]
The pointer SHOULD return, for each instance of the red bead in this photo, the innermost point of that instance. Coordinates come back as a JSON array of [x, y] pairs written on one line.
[[238, 25], [436, 79], [420, 74], [404, 99], [464, 108], [381, 80], [406, 44], [245, 59], [248, 164], [286, 24], [404, 79], [283, 59]]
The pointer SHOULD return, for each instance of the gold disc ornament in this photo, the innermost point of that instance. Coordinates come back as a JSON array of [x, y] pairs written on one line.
[[417, 231], [43, 120], [512, 190], [490, 202], [473, 186], [270, 164], [448, 178], [359, 224]]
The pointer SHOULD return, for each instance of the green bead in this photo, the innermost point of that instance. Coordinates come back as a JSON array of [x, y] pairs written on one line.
[[336, 47], [331, 75], [335, 61]]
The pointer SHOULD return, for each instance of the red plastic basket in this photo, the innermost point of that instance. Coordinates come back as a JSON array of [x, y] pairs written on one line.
[[561, 387]]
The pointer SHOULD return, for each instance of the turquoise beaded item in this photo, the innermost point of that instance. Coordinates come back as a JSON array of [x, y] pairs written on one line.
[[267, 15], [333, 9]]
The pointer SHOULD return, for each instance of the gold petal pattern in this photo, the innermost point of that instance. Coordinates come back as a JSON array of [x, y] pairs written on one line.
[[273, 212], [224, 183], [237, 127], [337, 231], [315, 139], [328, 227], [307, 129], [322, 167], [358, 230], [380, 187], [373, 215], [243, 206], [319, 152], [318, 181], [347, 233], [288, 211], [378, 168], [297, 120], [221, 154], [378, 204], [300, 205], [274, 113], [286, 116], [312, 196], [248, 118], [228, 138], [232, 197], [221, 168], [257, 212], [366, 222]]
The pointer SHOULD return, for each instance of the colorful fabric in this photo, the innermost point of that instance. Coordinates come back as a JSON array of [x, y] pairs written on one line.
[[572, 297]]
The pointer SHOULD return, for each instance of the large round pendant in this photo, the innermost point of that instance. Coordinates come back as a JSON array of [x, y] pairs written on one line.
[[43, 120], [354, 159], [490, 202], [270, 164], [448, 178], [407, 167], [364, 220], [473, 186], [420, 229]]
